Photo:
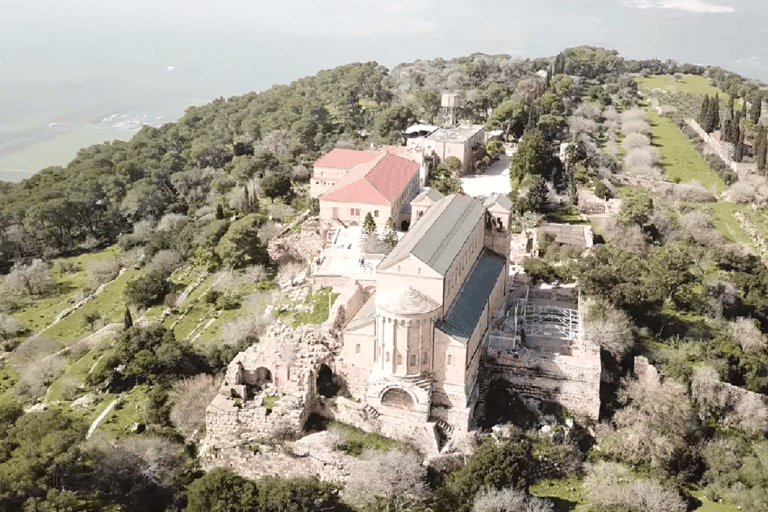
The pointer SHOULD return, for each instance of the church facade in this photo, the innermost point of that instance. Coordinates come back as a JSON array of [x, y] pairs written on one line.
[[412, 352]]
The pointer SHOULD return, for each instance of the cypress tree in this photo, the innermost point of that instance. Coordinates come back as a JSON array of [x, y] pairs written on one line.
[[761, 146], [743, 108], [715, 109], [725, 130], [127, 319], [738, 149], [757, 108], [730, 108], [704, 114]]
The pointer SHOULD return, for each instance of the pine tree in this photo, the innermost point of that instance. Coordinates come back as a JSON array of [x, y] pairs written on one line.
[[127, 319], [390, 235], [704, 115], [369, 225], [219, 212]]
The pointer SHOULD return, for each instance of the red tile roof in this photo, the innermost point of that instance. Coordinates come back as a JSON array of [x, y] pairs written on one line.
[[345, 158], [380, 181]]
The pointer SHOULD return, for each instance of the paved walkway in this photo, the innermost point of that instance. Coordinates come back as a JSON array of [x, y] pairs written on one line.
[[494, 179]]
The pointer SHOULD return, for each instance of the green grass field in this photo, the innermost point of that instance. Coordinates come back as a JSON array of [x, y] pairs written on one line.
[[691, 84], [726, 223], [679, 158]]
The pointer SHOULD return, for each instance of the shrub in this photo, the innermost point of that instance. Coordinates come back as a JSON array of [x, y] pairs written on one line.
[[148, 290]]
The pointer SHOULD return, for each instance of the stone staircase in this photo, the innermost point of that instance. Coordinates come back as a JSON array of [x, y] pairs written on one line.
[[371, 412], [484, 375]]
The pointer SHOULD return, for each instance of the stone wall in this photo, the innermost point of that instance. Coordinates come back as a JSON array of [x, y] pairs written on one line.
[[573, 382]]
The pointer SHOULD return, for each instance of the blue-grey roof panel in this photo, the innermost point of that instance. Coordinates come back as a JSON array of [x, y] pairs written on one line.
[[468, 305]]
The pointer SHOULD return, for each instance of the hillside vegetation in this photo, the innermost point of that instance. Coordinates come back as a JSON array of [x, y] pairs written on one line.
[[132, 276]]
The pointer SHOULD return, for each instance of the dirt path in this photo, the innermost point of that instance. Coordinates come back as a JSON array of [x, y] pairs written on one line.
[[101, 417]]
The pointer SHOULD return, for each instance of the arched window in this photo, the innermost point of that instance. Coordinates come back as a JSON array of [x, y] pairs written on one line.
[[413, 359], [357, 349], [450, 359], [399, 358]]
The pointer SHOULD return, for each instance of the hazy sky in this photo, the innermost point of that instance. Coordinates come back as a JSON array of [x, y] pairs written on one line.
[[231, 46]]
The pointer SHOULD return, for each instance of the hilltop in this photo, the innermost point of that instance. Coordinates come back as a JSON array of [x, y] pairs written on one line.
[[134, 275]]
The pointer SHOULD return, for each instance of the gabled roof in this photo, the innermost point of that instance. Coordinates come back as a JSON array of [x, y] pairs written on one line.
[[464, 313], [428, 193], [406, 301], [438, 237], [366, 316], [379, 181], [345, 158], [501, 199]]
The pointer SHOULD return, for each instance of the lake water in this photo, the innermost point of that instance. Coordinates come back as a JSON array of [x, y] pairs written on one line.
[[80, 72]]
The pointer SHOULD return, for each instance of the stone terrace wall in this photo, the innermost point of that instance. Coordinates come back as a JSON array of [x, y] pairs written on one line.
[[573, 382], [227, 425]]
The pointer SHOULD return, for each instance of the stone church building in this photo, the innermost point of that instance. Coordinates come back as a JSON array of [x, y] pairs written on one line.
[[412, 352]]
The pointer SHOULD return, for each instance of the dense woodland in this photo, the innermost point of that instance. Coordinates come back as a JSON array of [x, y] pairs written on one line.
[[212, 188]]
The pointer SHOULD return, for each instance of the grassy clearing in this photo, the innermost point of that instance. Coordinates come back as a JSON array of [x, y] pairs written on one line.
[[125, 413], [566, 493], [691, 84], [679, 158], [726, 223], [710, 506], [109, 304], [36, 314], [356, 441], [75, 374]]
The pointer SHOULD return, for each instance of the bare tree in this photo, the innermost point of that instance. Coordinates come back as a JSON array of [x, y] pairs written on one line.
[[653, 423], [101, 271], [246, 328], [255, 273], [746, 333], [752, 189], [609, 327], [751, 414], [189, 398], [395, 476], [636, 140], [32, 279], [10, 327], [170, 221], [611, 486], [509, 500], [165, 261]]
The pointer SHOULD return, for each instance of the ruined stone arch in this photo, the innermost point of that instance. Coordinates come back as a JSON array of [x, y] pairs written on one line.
[[397, 397]]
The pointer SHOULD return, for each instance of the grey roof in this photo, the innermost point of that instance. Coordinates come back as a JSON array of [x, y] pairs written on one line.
[[438, 237], [429, 192], [499, 198], [364, 317], [466, 309]]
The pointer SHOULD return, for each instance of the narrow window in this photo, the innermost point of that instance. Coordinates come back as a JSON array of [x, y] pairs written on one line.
[[351, 211], [387, 358], [399, 359], [357, 349], [413, 360], [375, 213], [450, 359], [425, 359]]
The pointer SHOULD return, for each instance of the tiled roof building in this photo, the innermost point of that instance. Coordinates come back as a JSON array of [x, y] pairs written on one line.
[[382, 184]]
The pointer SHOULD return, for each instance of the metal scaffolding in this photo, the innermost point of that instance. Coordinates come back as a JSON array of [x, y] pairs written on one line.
[[551, 321]]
